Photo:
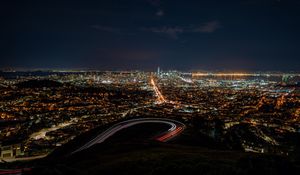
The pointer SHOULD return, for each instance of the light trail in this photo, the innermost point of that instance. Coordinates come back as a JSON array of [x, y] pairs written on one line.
[[176, 129], [15, 171], [170, 135], [160, 97]]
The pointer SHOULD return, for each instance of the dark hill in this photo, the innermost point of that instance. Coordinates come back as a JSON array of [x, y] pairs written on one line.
[[39, 84], [157, 158]]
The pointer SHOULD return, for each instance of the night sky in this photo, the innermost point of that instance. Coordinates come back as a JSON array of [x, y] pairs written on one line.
[[144, 34]]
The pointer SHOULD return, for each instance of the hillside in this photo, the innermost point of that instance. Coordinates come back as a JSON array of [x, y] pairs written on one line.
[[157, 158]]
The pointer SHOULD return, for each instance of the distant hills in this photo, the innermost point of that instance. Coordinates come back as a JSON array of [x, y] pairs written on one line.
[[39, 84]]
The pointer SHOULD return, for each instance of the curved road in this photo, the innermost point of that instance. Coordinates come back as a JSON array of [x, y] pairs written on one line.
[[175, 129]]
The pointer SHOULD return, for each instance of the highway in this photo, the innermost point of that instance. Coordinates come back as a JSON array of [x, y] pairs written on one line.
[[160, 97], [175, 129]]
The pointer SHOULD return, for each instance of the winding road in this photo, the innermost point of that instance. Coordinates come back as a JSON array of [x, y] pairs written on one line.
[[175, 129]]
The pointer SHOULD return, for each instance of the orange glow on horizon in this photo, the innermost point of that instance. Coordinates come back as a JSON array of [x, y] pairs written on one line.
[[223, 74]]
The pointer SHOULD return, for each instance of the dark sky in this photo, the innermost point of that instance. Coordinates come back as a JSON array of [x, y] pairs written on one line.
[[144, 34]]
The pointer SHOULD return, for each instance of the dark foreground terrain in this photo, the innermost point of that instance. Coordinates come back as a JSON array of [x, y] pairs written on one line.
[[128, 152], [156, 158]]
